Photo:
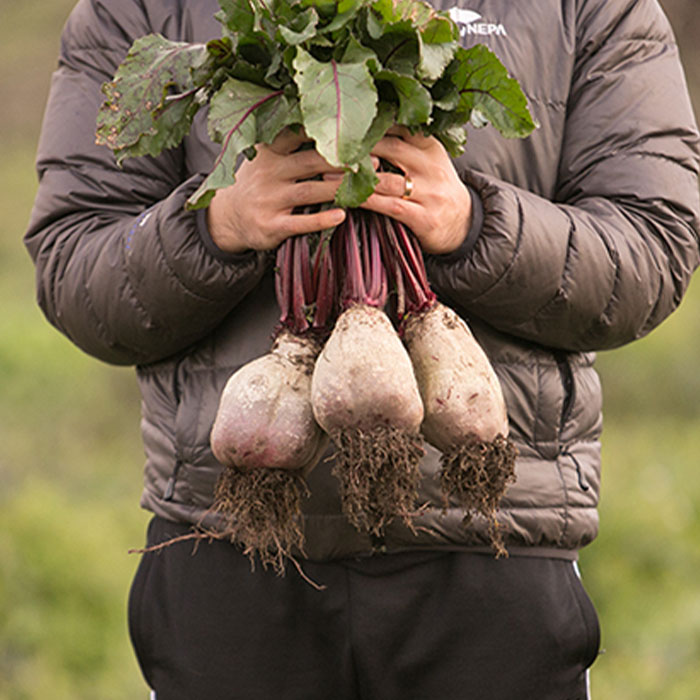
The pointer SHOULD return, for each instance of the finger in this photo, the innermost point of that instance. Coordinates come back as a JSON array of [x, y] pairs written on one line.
[[397, 152], [310, 192], [409, 213], [392, 185], [287, 141], [296, 224], [306, 164]]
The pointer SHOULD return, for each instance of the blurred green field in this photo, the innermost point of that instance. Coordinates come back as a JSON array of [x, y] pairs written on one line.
[[70, 461]]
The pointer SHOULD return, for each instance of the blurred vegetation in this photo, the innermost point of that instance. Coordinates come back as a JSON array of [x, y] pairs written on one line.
[[70, 460]]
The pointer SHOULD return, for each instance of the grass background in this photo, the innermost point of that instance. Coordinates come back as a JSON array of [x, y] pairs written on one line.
[[70, 459]]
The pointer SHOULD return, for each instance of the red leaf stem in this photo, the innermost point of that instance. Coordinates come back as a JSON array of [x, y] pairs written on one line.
[[354, 288], [283, 280], [307, 285], [325, 286], [299, 320], [378, 284], [419, 296], [410, 244]]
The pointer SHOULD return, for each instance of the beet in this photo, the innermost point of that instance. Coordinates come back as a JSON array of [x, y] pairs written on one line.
[[364, 393], [267, 439], [465, 414], [264, 417]]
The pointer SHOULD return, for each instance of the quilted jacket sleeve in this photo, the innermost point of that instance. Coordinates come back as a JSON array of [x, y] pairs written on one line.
[[612, 255], [122, 269]]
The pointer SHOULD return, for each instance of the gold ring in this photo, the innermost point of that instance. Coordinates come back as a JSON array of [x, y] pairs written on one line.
[[407, 188]]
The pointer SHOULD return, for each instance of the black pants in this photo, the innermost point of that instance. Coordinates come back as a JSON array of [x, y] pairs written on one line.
[[420, 626]]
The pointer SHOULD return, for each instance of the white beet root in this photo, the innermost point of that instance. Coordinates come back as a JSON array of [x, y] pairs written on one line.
[[460, 390], [364, 394], [364, 377], [465, 414]]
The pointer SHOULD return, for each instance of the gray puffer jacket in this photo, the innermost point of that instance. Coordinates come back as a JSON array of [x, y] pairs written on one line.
[[587, 240]]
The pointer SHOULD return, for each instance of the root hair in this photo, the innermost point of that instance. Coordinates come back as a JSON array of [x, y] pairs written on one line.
[[475, 475], [378, 474]]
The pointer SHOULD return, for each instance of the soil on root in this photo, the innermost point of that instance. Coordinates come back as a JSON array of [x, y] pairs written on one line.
[[261, 511], [475, 475], [378, 474]]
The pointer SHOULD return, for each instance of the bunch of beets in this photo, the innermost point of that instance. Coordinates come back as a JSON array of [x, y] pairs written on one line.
[[364, 356]]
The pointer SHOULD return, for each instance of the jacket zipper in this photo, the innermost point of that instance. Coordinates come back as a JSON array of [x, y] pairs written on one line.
[[567, 380]]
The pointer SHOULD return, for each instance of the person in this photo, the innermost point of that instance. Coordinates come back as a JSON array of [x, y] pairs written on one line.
[[580, 238]]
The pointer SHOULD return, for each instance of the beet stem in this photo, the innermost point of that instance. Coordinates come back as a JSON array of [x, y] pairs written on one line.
[[378, 277], [283, 281], [325, 285], [355, 291], [302, 243], [299, 322]]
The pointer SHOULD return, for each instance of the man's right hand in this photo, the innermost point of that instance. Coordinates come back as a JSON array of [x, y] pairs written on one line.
[[257, 211]]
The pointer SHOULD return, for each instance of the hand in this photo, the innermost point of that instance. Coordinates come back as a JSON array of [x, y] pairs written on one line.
[[256, 212], [439, 208]]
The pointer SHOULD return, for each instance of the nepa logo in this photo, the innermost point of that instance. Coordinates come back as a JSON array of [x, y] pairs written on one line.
[[471, 22]]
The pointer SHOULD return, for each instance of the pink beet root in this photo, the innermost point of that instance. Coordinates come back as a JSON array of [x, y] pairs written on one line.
[[267, 439], [461, 393], [264, 417]]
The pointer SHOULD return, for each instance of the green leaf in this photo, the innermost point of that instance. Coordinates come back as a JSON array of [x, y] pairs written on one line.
[[415, 13], [233, 122], [237, 16], [357, 186], [338, 104], [440, 29], [274, 115], [355, 52], [382, 122], [301, 29], [221, 175], [153, 98], [485, 86], [453, 138], [399, 52], [415, 102], [434, 58], [342, 19]]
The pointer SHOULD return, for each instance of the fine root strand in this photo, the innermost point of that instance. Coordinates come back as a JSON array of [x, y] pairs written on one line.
[[258, 510], [378, 475], [475, 475]]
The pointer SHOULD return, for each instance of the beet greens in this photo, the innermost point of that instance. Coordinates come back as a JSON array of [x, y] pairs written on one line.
[[343, 71]]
